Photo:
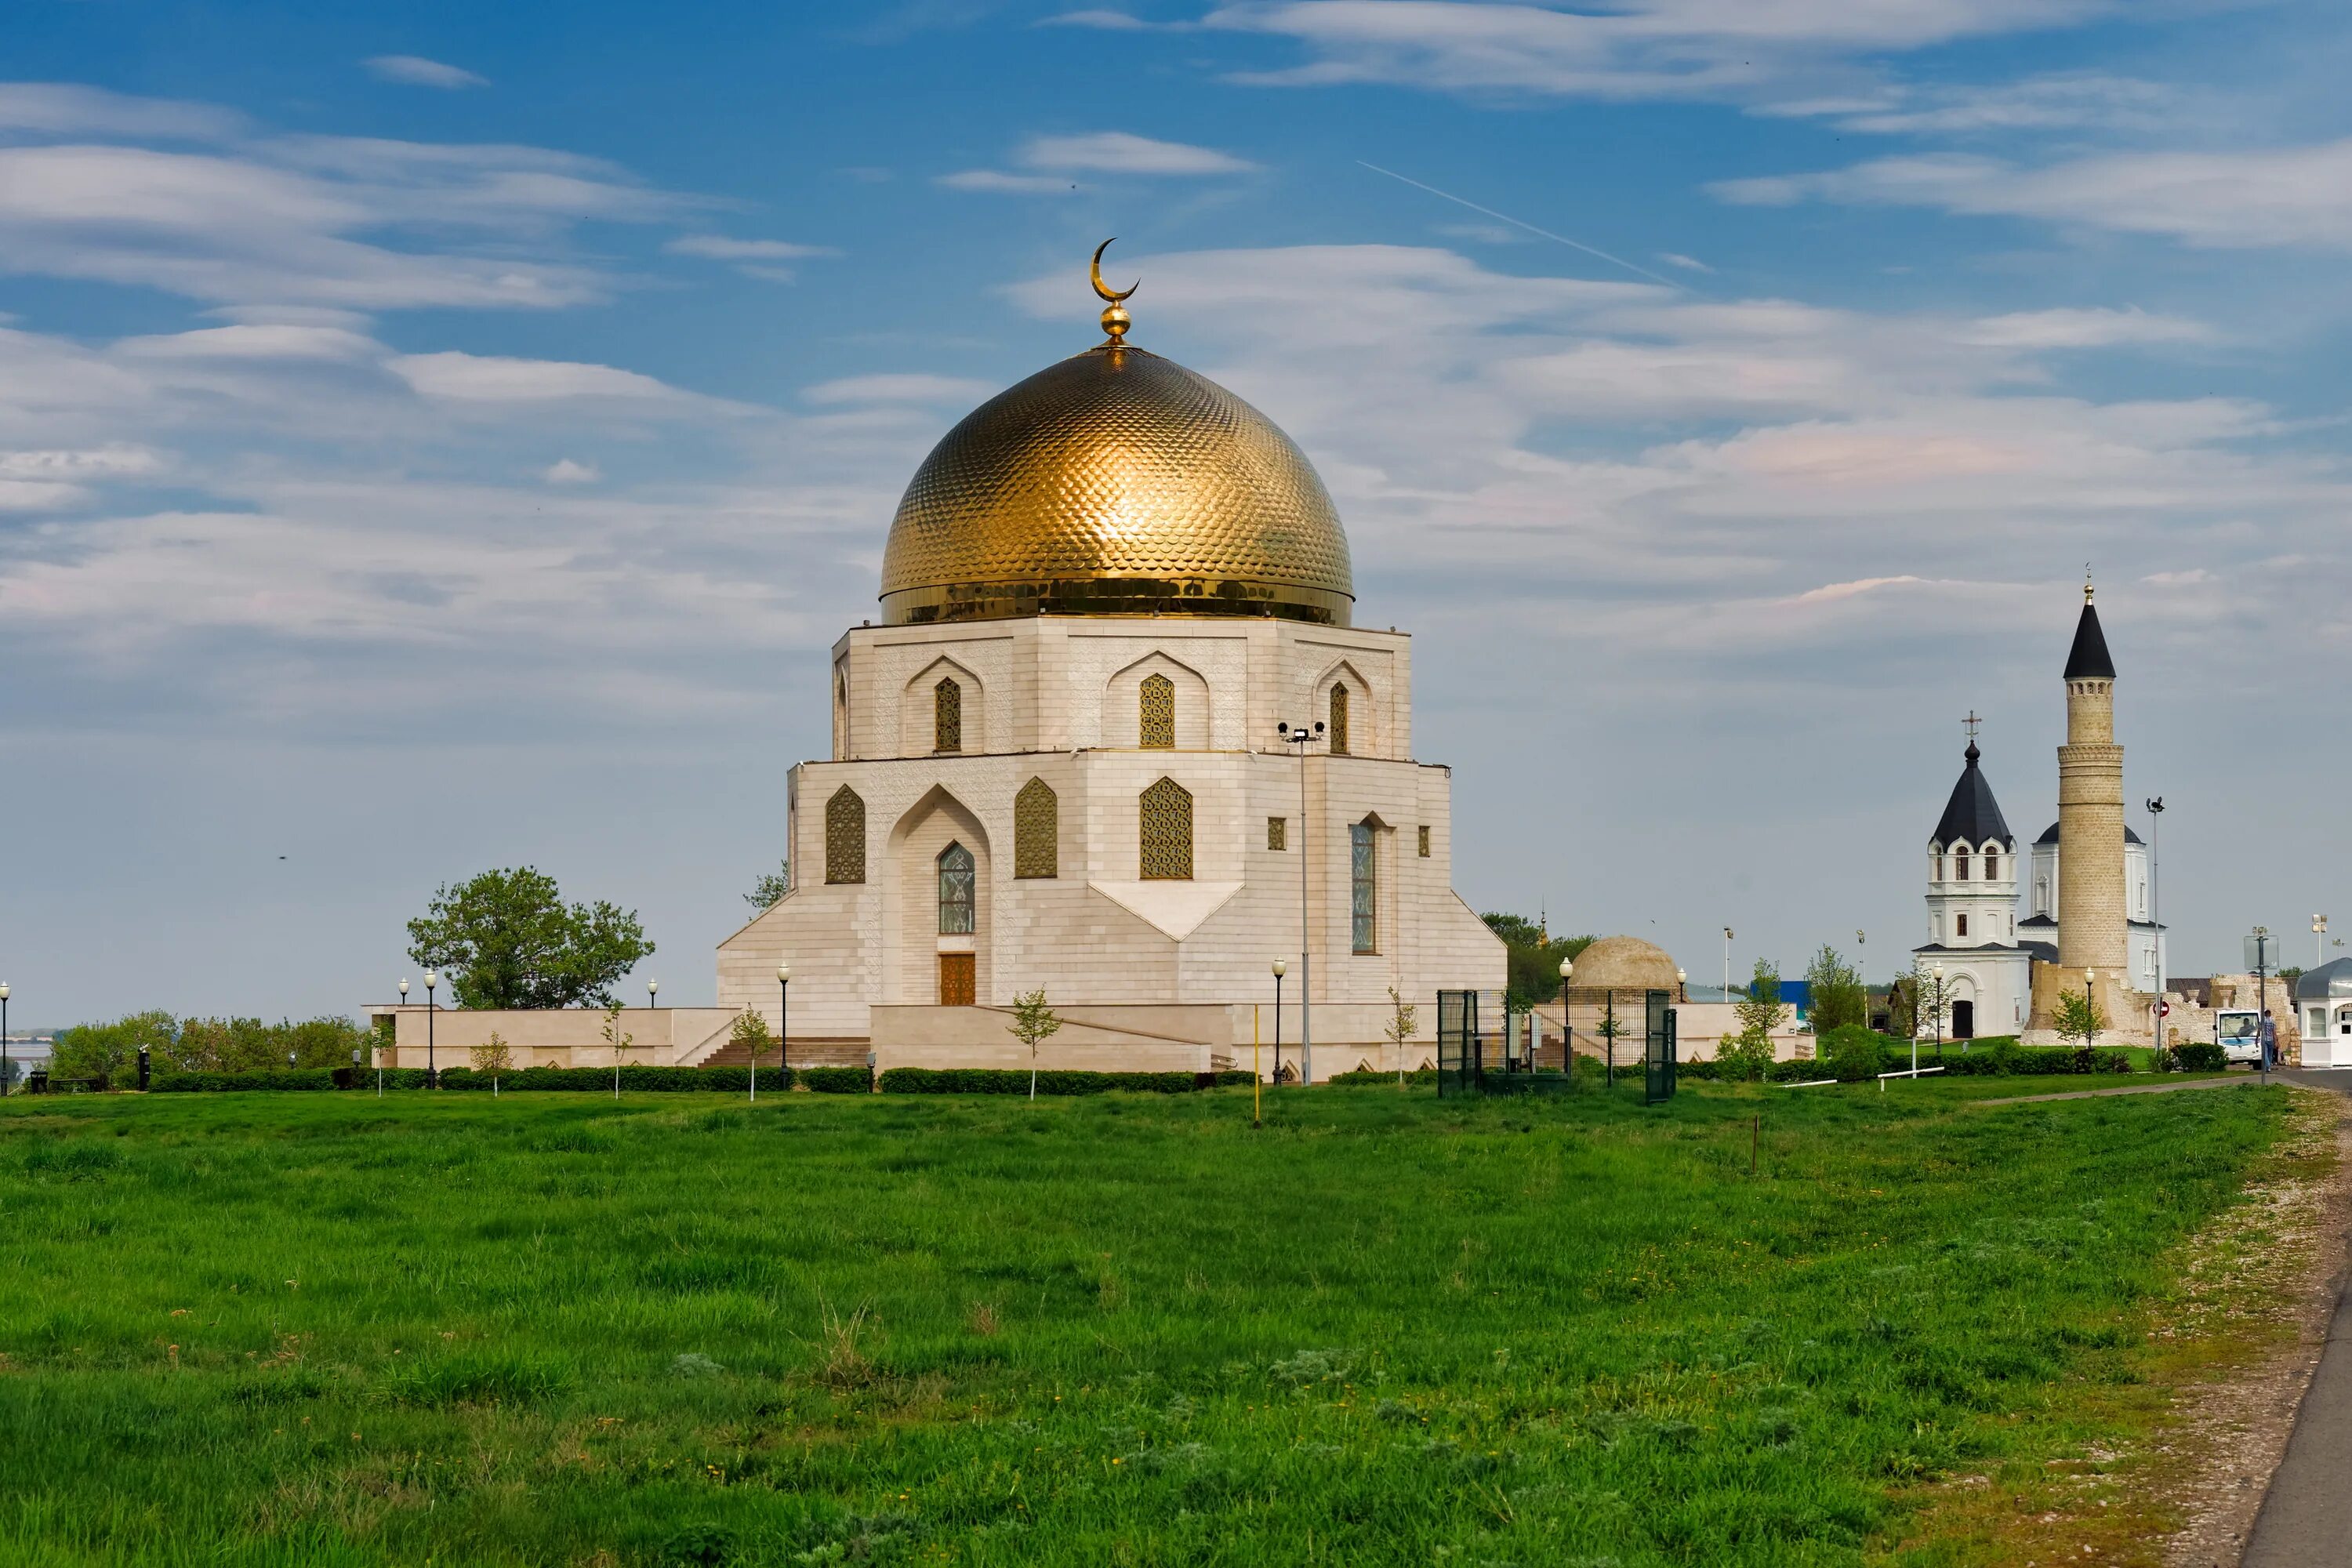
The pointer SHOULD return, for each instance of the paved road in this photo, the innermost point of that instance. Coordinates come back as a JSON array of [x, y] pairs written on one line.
[[2306, 1516]]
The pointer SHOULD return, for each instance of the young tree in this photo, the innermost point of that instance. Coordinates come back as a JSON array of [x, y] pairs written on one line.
[[751, 1031], [1931, 1000], [492, 1058], [1838, 995], [507, 939], [2078, 1017], [1612, 1029], [1403, 1019], [770, 891], [620, 1039], [1032, 1024], [1761, 1011]]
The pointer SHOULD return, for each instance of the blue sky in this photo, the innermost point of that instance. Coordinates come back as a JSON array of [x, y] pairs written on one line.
[[436, 436]]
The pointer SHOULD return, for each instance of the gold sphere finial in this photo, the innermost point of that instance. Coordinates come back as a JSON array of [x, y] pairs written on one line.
[[1115, 319], [2086, 582]]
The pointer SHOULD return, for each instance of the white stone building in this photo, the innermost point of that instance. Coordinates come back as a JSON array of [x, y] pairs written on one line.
[[1973, 945], [1057, 762]]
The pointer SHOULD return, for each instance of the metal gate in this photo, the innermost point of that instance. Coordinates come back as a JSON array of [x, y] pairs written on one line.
[[1658, 1059], [1458, 1046]]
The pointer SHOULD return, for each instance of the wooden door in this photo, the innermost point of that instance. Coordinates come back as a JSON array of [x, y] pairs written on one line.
[[958, 975]]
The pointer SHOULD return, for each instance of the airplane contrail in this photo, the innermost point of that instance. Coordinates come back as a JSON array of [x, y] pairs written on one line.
[[1517, 223]]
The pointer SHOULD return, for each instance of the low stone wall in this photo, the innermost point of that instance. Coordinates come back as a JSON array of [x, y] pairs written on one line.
[[557, 1037], [1150, 1038]]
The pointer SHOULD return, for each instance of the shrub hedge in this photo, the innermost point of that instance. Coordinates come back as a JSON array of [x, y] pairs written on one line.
[[2201, 1055], [1015, 1081], [634, 1079], [1420, 1075], [216, 1082], [835, 1080], [2004, 1057]]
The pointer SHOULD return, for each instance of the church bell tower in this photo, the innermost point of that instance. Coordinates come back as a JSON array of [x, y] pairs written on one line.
[[2092, 932]]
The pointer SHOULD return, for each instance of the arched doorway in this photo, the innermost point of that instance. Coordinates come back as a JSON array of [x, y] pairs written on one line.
[[1964, 1020]]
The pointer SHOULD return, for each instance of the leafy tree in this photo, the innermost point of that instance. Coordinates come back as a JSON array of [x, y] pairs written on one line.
[[751, 1031], [493, 1057], [505, 939], [1403, 1019], [2078, 1017], [92, 1050], [1839, 996], [1612, 1029], [620, 1039], [1761, 1012], [770, 891], [1931, 1000], [1534, 959], [1032, 1024]]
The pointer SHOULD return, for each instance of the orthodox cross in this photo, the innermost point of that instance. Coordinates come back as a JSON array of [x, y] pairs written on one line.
[[1971, 722]]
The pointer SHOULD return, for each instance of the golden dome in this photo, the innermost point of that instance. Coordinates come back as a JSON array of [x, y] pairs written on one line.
[[1115, 482]]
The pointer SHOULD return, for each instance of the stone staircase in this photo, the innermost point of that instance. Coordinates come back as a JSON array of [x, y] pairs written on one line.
[[817, 1052]]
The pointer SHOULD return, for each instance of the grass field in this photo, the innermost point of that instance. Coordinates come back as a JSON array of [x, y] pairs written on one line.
[[328, 1329]]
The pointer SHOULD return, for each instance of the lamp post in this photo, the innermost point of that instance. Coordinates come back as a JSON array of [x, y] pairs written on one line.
[[2318, 941], [1303, 737], [431, 1075], [1727, 964], [2262, 1035], [1280, 969], [1566, 1031], [2090, 1008], [783, 1029], [395, 1037], [3, 1037], [1861, 976]]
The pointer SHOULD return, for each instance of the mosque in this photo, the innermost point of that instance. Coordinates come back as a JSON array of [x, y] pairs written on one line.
[[1116, 736], [2089, 908]]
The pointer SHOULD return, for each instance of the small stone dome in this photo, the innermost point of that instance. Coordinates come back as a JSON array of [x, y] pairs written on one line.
[[1617, 964]]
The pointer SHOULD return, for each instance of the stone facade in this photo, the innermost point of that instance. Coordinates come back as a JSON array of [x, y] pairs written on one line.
[[1080, 704], [2092, 919]]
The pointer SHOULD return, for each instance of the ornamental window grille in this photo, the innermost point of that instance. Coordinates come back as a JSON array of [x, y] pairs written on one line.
[[845, 836], [1960, 866], [1364, 892], [947, 717], [1277, 832], [956, 891], [1167, 832], [1424, 841], [1992, 865], [1036, 830], [1339, 720], [1156, 714]]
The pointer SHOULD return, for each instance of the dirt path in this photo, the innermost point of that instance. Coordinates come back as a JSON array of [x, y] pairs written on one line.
[[2271, 1276], [2128, 1088]]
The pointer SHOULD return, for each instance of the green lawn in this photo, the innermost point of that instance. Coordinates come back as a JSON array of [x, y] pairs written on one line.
[[330, 1329]]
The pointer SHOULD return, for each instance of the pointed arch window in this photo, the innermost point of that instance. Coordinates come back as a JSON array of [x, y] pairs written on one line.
[[956, 891], [1960, 866], [845, 836], [1156, 714], [1167, 832], [947, 717], [1036, 830], [1339, 719], [1364, 888]]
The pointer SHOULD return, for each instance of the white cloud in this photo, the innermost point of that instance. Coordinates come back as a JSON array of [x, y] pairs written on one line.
[[1120, 153], [564, 471], [415, 70], [1097, 153], [2037, 103], [719, 248], [483, 378], [1688, 263], [305, 221], [2282, 196], [996, 180], [1639, 49], [902, 388], [65, 109], [2077, 328]]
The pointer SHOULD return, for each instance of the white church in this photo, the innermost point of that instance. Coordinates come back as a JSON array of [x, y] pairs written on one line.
[[1982, 951], [1116, 737]]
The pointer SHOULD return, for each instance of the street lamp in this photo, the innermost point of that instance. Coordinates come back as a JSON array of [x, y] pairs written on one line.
[[432, 1077], [1567, 1030], [2090, 1008], [1280, 969], [1727, 964], [395, 1037], [2319, 942], [1303, 737], [3, 1037], [1937, 971], [783, 1029]]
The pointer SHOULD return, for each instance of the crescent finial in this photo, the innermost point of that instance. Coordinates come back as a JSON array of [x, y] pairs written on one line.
[[1111, 295]]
